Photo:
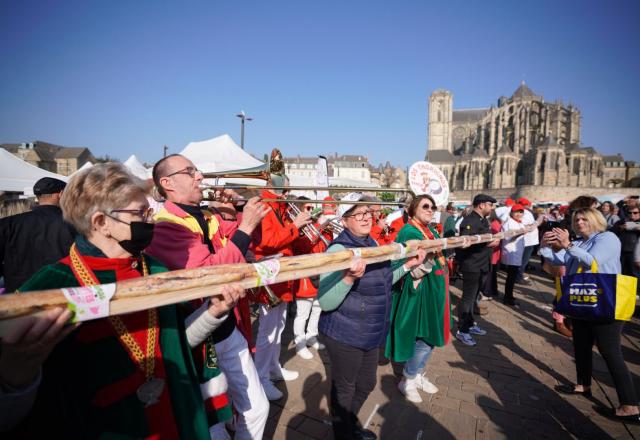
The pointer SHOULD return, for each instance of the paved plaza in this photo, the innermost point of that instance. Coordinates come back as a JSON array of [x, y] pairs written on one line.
[[502, 388]]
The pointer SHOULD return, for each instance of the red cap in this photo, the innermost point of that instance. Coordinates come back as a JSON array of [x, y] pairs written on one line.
[[509, 202], [524, 201], [329, 208], [517, 207]]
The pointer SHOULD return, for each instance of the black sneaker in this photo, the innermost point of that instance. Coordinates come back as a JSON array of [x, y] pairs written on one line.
[[364, 434]]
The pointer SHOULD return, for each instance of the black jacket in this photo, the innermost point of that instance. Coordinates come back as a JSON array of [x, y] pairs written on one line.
[[31, 240], [476, 258], [627, 238]]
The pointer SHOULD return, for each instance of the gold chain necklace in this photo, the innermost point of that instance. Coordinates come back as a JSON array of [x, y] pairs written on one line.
[[150, 391]]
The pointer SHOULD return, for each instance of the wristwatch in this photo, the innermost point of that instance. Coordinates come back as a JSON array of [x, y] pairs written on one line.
[[570, 246]]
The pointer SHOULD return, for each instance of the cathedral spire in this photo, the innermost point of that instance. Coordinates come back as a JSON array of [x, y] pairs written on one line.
[[523, 91]]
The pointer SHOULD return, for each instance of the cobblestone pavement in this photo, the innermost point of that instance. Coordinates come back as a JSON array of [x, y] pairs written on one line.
[[502, 388]]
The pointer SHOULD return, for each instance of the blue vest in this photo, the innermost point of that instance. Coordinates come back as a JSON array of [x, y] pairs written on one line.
[[362, 320]]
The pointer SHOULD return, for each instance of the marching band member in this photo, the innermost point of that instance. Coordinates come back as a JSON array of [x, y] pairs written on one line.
[[305, 324], [329, 208], [129, 376], [356, 306], [380, 231], [276, 234], [186, 237]]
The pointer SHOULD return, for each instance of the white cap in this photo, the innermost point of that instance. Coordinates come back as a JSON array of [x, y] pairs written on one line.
[[351, 197]]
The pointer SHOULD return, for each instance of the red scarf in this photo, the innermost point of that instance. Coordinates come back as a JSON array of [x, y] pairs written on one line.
[[160, 415]]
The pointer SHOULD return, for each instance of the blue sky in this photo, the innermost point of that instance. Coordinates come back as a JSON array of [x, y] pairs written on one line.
[[318, 77]]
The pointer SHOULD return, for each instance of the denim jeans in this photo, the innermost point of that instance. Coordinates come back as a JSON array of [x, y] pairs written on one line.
[[421, 354], [526, 256]]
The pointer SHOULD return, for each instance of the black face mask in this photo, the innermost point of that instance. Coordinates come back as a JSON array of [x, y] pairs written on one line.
[[141, 236]]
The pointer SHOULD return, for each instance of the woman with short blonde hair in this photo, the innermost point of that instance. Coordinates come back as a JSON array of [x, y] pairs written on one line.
[[594, 245], [594, 217], [100, 188]]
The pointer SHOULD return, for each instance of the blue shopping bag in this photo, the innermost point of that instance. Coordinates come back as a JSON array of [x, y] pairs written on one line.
[[596, 296]]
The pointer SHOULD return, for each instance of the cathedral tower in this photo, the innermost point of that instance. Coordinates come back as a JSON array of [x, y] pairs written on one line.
[[440, 121]]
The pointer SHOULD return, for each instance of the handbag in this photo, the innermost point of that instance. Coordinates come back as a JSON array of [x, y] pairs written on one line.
[[596, 296]]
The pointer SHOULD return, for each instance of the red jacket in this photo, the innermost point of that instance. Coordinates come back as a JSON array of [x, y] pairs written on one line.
[[496, 227], [395, 227], [275, 235], [381, 236], [303, 288]]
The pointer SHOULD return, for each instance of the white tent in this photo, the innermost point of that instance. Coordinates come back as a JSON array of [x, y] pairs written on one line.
[[136, 168], [86, 166], [16, 175], [222, 154], [219, 154]]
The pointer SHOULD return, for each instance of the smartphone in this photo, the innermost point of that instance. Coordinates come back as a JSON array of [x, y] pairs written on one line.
[[553, 224]]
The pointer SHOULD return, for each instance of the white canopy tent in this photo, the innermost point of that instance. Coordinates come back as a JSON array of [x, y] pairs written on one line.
[[221, 154], [86, 166], [16, 175], [136, 168]]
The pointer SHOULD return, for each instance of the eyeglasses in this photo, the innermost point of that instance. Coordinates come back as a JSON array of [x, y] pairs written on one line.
[[191, 171], [144, 213], [360, 216], [429, 207]]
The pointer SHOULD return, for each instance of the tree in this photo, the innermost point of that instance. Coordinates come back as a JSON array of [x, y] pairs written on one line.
[[387, 197]]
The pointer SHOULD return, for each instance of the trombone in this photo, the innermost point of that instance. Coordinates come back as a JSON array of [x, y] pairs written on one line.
[[335, 202], [318, 188]]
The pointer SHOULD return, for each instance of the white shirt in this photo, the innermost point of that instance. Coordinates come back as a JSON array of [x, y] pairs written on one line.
[[530, 238], [513, 248], [503, 213]]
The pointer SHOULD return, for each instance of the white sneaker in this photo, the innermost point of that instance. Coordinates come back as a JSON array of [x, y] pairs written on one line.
[[314, 343], [303, 351], [271, 391], [425, 385], [409, 389], [284, 374]]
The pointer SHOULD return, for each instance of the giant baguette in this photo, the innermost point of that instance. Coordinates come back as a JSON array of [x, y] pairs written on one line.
[[183, 285]]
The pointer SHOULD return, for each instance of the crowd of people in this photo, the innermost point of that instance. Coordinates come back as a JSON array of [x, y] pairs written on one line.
[[195, 369]]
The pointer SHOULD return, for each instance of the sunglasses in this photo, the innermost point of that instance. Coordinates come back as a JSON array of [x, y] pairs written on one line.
[[634, 212], [429, 207], [191, 171]]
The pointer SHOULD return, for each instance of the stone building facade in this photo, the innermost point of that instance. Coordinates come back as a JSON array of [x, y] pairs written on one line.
[[522, 141], [51, 157], [345, 166]]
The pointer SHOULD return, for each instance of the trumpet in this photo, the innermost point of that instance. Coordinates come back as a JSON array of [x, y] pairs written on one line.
[[334, 224], [310, 231]]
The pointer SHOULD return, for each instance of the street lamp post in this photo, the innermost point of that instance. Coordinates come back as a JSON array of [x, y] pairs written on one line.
[[243, 117]]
